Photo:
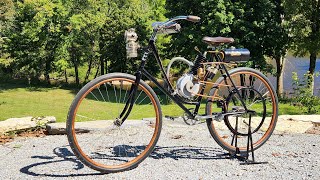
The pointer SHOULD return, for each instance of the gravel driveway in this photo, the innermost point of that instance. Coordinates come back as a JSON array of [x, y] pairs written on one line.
[[182, 152]]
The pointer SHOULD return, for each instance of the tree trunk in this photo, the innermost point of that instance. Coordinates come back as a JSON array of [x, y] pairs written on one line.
[[47, 71], [101, 51], [75, 64], [65, 75], [96, 75], [313, 52], [88, 71], [312, 67], [102, 65], [76, 72], [280, 63], [106, 66]]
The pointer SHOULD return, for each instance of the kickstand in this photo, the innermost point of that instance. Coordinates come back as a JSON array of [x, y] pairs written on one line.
[[245, 157]]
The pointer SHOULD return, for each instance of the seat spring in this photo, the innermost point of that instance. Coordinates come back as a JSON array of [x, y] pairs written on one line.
[[197, 64]]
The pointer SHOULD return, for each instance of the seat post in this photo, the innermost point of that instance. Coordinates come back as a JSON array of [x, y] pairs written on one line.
[[213, 48]]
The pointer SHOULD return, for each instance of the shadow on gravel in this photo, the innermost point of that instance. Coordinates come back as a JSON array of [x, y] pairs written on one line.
[[173, 152], [188, 152], [62, 152]]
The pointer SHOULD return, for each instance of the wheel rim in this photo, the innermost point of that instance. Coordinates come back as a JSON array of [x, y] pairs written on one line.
[[108, 146], [263, 122], [234, 101]]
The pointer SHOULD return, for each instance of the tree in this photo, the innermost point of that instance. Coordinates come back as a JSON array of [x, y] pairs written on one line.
[[54, 35], [96, 31], [304, 23], [260, 28], [256, 25], [125, 14], [6, 17], [250, 23], [279, 50], [216, 20], [35, 37], [6, 14], [79, 44]]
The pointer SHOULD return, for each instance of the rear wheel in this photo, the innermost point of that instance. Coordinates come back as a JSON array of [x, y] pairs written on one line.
[[93, 134], [259, 97]]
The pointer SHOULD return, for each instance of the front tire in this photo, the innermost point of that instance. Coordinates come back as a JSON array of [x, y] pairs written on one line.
[[92, 133]]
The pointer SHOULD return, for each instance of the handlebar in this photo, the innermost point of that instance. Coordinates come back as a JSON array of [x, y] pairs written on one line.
[[193, 18], [170, 26], [188, 18], [168, 22]]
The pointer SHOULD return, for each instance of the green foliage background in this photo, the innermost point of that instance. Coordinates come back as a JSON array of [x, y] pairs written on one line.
[[76, 40]]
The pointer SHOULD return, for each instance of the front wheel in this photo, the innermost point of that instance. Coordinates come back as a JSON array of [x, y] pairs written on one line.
[[259, 97], [94, 136]]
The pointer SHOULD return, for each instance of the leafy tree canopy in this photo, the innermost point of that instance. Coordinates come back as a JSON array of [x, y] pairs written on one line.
[[302, 17], [255, 25]]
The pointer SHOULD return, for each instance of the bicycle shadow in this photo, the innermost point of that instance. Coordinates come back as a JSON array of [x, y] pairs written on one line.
[[173, 152], [59, 152], [188, 152]]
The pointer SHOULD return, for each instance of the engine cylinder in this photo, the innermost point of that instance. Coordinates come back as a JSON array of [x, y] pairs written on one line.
[[186, 87]]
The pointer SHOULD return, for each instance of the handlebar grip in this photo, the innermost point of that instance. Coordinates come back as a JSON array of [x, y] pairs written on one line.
[[193, 18]]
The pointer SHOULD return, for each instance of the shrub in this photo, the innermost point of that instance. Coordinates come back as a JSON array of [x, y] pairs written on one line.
[[303, 93]]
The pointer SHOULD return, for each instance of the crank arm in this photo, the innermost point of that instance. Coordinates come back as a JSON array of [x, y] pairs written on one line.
[[219, 116]]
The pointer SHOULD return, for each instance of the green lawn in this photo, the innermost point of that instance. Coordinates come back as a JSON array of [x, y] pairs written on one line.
[[22, 101]]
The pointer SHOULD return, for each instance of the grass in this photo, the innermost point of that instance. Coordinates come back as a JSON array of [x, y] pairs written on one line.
[[20, 101], [29, 101]]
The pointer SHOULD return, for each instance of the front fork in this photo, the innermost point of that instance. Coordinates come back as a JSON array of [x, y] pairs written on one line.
[[131, 98], [130, 101]]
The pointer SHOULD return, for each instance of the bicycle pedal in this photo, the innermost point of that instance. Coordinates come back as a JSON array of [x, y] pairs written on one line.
[[218, 117], [238, 109], [170, 117]]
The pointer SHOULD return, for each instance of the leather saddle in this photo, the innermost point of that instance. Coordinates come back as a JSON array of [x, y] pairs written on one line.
[[216, 41]]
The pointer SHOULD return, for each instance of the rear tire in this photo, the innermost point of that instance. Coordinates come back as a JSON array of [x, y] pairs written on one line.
[[259, 95]]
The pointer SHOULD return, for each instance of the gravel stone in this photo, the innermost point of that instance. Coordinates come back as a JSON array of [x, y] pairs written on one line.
[[195, 155]]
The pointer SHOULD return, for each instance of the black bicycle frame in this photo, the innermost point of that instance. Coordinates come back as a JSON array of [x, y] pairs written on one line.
[[170, 91]]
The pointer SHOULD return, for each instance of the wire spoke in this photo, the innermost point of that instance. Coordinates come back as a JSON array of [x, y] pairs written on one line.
[[115, 93], [110, 144], [101, 94], [137, 98], [94, 95], [124, 97], [139, 110], [107, 92], [120, 89]]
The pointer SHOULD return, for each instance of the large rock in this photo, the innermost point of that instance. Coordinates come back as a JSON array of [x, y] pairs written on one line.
[[88, 126], [14, 124], [284, 125], [56, 128], [81, 127], [290, 126], [315, 119], [297, 123]]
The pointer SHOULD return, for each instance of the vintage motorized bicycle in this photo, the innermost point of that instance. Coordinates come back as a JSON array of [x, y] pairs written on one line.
[[125, 113]]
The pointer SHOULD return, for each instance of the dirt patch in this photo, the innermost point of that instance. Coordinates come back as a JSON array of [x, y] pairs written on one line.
[[314, 130], [5, 138]]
